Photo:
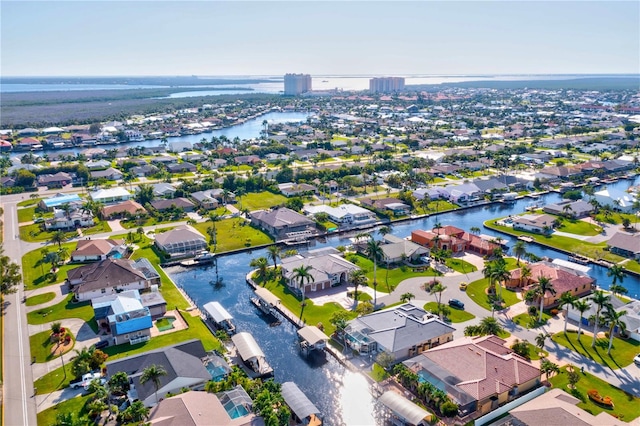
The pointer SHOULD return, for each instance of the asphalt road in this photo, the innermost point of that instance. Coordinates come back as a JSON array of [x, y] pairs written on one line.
[[19, 406]]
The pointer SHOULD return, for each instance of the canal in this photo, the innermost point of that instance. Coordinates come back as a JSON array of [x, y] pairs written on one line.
[[341, 395]]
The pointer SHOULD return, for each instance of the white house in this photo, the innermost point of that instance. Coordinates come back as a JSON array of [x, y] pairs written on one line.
[[344, 214], [615, 199], [111, 195]]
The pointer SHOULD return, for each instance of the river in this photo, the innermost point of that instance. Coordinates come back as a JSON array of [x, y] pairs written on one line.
[[341, 395]]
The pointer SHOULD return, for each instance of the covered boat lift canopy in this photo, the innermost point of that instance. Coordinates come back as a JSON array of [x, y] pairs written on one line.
[[402, 407], [247, 346], [267, 296], [315, 338], [298, 401], [216, 312]]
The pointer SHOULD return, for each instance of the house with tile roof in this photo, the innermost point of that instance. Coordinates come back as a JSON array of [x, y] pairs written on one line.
[[129, 207], [478, 373], [181, 241], [327, 270], [538, 223], [283, 223], [98, 249], [624, 244], [182, 362], [563, 279], [403, 331], [396, 250]]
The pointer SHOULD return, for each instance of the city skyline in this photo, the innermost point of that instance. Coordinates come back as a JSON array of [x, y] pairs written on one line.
[[320, 38]]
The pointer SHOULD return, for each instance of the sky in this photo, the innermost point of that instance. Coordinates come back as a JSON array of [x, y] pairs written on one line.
[[85, 38]]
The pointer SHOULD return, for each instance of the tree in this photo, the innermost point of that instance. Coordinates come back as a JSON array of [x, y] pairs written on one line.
[[544, 286], [541, 339], [58, 237], [274, 254], [24, 178], [572, 376], [385, 359], [339, 321], [144, 194], [567, 300], [488, 325], [261, 264], [134, 413], [119, 383], [357, 278], [374, 251], [364, 308], [56, 327], [581, 306], [10, 275], [616, 273], [406, 297], [521, 347], [438, 289], [601, 300], [302, 275], [614, 319], [153, 373], [519, 249], [71, 419], [548, 368]]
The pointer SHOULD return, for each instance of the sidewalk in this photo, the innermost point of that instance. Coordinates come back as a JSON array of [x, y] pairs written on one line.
[[60, 290]]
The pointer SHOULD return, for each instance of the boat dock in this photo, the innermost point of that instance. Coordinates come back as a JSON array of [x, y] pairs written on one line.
[[219, 316], [312, 338], [251, 355]]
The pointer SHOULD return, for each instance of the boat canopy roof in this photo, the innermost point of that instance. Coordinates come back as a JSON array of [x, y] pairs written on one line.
[[267, 296], [312, 334], [217, 312], [298, 401], [247, 346], [404, 408]]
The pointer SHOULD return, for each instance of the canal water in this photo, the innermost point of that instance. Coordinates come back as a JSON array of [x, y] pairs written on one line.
[[341, 395]]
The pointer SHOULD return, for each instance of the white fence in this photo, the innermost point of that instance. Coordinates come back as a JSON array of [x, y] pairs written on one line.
[[508, 406]]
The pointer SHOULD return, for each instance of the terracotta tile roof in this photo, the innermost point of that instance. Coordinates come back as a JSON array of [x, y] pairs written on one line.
[[95, 247], [562, 279]]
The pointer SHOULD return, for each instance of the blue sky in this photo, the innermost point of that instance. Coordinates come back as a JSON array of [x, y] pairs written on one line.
[[321, 38]]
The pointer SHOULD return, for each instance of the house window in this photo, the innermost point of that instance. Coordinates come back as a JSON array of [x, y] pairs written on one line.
[[103, 291], [126, 337]]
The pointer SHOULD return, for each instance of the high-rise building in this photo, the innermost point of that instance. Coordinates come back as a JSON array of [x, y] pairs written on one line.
[[386, 84], [296, 84]]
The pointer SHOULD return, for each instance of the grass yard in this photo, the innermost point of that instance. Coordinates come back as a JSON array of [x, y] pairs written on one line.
[[534, 352], [26, 214], [626, 406], [438, 206], [64, 310], [622, 351], [74, 405], [460, 265], [476, 291], [261, 200], [578, 227], [149, 221], [378, 373], [35, 272], [527, 321], [41, 346], [234, 234], [39, 299], [33, 233], [388, 282], [632, 265], [29, 202], [455, 316]]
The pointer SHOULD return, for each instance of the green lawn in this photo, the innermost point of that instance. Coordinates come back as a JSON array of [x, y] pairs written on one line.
[[534, 352], [378, 373], [26, 214], [33, 233], [622, 351], [455, 316], [261, 200], [39, 299], [578, 227], [73, 405], [64, 310], [149, 221], [438, 206], [632, 265], [41, 346], [626, 406], [525, 320], [460, 265], [388, 282], [234, 234], [35, 272], [29, 202], [476, 291]]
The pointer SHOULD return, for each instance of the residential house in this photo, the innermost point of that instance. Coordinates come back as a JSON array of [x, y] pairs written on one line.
[[557, 407], [111, 195], [624, 244], [98, 249], [478, 373], [98, 165], [123, 316], [393, 205], [455, 239], [111, 276], [205, 199], [538, 223], [58, 200], [181, 241], [283, 223], [163, 189], [180, 202], [327, 270], [182, 363], [164, 160], [57, 180], [576, 209], [615, 198], [109, 174], [7, 182], [246, 159], [402, 331], [29, 144], [462, 193], [396, 250], [563, 279], [183, 167], [344, 214], [144, 170], [129, 207], [180, 146], [75, 218], [491, 185], [291, 189]]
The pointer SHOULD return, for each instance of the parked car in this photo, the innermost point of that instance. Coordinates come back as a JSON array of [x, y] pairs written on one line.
[[86, 380], [637, 360], [101, 344], [455, 303], [463, 286]]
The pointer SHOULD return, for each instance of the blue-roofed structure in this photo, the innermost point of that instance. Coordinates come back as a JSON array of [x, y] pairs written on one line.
[[60, 199], [125, 316]]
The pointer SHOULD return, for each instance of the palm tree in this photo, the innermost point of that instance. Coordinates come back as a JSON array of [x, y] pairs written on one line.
[[406, 297], [490, 325], [614, 319], [525, 274], [302, 275], [581, 306], [261, 263], [601, 300], [617, 276], [519, 249], [357, 278], [153, 373], [274, 254], [374, 251], [567, 299], [541, 339], [544, 286], [58, 238], [474, 230], [438, 289]]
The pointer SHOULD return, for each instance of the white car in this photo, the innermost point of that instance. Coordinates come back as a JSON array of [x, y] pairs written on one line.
[[637, 360]]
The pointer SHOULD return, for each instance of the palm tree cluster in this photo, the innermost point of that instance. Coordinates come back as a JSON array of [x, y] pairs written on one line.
[[433, 397], [497, 273], [487, 326]]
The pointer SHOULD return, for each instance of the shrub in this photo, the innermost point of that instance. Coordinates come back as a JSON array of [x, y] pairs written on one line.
[[554, 312], [448, 409]]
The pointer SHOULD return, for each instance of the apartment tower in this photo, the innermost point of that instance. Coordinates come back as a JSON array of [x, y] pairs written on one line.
[[386, 84], [296, 84]]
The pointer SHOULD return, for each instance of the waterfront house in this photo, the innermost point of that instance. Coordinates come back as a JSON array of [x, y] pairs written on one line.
[[615, 199], [455, 239], [124, 317], [625, 244], [110, 195], [98, 249], [327, 270], [402, 331], [283, 223], [393, 205], [576, 209], [111, 276], [180, 146], [396, 250], [344, 214], [477, 373], [182, 362], [563, 279], [538, 223], [181, 241]]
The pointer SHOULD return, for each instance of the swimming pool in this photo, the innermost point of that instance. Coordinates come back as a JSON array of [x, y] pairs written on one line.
[[164, 324]]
